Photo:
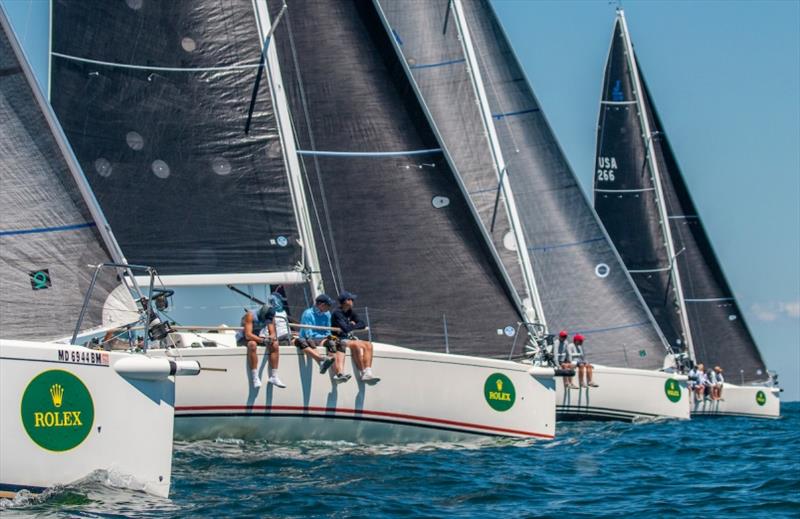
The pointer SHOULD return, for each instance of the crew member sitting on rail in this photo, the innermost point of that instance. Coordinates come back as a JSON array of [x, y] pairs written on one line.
[[347, 321], [564, 353], [318, 315], [717, 381], [252, 322], [697, 381], [579, 357]]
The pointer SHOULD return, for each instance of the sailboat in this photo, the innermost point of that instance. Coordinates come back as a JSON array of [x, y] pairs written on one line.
[[531, 205], [272, 159], [645, 204], [66, 411]]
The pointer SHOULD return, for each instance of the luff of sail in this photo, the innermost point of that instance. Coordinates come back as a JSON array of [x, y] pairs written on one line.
[[394, 223], [580, 279], [163, 104], [49, 240], [718, 334]]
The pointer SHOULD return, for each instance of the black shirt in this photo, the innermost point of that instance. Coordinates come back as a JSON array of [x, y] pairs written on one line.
[[345, 320]]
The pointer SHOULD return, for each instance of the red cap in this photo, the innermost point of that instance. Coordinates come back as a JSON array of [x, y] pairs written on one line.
[[578, 337], [563, 333]]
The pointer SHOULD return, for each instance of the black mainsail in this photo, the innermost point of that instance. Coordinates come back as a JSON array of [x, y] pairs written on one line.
[[579, 277], [645, 204], [172, 117], [51, 234]]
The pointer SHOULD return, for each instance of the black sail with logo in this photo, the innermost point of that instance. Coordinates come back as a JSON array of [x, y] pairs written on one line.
[[625, 195], [717, 330], [393, 225], [177, 138]]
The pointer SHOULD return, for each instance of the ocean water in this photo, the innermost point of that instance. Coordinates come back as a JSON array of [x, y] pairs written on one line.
[[711, 467]]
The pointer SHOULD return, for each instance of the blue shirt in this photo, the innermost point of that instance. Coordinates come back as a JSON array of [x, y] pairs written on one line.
[[313, 317]]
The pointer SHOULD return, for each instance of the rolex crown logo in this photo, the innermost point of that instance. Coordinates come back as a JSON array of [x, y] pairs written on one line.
[[499, 385], [57, 393]]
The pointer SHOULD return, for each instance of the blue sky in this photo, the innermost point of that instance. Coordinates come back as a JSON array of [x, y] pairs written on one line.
[[725, 78]]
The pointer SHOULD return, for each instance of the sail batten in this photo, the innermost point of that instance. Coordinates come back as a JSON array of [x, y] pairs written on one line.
[[653, 221]]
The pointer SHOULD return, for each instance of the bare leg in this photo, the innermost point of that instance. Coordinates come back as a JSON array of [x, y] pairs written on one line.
[[274, 355], [252, 356], [367, 354], [355, 351], [589, 373], [312, 352], [339, 362]]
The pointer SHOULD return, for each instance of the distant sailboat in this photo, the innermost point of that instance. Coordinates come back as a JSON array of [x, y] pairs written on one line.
[[645, 204], [66, 411], [319, 169], [531, 204]]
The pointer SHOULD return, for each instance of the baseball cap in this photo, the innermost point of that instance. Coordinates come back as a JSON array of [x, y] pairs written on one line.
[[578, 337], [324, 298], [563, 334], [344, 296]]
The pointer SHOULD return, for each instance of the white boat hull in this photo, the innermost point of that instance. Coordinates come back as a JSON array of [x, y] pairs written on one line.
[[421, 396], [752, 401], [624, 394], [67, 412]]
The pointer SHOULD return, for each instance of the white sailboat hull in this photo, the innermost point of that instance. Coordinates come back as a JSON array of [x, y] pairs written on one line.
[[752, 401], [421, 397], [624, 394], [67, 411]]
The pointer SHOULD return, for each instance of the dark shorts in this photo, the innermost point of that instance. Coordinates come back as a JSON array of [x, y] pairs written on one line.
[[334, 344], [302, 343]]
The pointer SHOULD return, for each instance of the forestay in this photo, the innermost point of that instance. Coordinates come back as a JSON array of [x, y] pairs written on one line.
[[393, 224], [172, 118], [49, 240], [717, 333], [580, 278]]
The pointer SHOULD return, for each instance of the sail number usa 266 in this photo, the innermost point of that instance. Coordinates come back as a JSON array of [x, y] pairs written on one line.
[[605, 169]]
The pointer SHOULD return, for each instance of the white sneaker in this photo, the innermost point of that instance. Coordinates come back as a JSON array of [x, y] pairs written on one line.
[[367, 376], [275, 381], [340, 378], [256, 382]]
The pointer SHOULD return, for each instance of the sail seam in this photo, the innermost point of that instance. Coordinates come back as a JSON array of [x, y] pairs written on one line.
[[612, 328], [617, 102], [642, 190], [562, 245], [153, 67], [321, 153], [709, 300], [503, 115], [49, 229], [440, 64], [645, 271]]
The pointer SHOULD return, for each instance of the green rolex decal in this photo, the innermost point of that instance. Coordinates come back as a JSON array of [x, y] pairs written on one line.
[[57, 410], [499, 392], [761, 398], [673, 390]]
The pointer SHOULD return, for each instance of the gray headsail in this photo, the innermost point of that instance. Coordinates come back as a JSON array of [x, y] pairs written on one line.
[[580, 279], [430, 42], [172, 117], [394, 225], [638, 187], [49, 238]]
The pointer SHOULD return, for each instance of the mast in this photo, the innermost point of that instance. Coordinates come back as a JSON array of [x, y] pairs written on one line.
[[288, 144], [661, 202], [499, 162]]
